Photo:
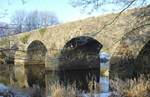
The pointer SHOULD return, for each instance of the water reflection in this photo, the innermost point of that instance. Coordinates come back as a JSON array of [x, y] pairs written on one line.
[[82, 78], [104, 84], [35, 74]]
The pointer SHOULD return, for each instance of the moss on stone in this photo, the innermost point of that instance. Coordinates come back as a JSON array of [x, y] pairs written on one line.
[[25, 38], [42, 31], [5, 41]]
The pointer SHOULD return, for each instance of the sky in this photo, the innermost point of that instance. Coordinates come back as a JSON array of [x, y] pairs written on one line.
[[64, 11]]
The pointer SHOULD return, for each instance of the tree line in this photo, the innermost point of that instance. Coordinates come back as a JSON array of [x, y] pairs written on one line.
[[22, 21]]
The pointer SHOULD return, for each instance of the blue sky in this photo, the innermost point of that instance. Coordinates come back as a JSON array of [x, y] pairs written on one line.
[[64, 11]]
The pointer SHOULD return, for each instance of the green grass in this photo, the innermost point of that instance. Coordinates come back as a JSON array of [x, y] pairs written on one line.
[[103, 70]]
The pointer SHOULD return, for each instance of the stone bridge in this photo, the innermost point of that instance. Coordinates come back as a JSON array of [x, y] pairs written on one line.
[[68, 46], [76, 45]]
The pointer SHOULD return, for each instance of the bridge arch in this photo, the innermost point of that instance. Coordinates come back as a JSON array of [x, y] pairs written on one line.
[[35, 53], [142, 65], [80, 53], [131, 57], [35, 63]]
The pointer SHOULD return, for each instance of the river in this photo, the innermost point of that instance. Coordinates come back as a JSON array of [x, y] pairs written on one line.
[[37, 75]]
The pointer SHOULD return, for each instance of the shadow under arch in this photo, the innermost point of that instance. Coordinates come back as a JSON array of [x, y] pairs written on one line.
[[80, 53], [143, 60], [79, 61], [36, 52], [35, 63]]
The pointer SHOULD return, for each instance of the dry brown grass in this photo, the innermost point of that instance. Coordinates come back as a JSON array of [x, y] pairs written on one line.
[[70, 90], [93, 88], [59, 90], [132, 88]]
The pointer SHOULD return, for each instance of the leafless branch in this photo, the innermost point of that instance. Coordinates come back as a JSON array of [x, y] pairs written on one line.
[[94, 34]]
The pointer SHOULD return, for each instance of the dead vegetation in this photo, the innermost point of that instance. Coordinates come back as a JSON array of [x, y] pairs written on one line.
[[132, 88]]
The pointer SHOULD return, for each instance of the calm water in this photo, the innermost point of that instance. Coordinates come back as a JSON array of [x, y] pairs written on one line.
[[36, 75]]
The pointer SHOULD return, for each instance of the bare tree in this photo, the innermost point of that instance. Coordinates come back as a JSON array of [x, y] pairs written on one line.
[[2, 28], [49, 19], [6, 29], [32, 20], [4, 12], [39, 19], [17, 20], [36, 19]]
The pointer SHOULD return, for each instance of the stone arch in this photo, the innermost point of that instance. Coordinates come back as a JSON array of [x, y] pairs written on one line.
[[36, 52], [35, 63], [80, 53], [142, 64]]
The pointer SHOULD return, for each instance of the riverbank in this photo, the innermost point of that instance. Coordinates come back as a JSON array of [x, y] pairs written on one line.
[[130, 88], [56, 92]]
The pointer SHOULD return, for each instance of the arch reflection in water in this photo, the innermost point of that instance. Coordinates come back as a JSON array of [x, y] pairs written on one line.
[[81, 78], [35, 75], [35, 63]]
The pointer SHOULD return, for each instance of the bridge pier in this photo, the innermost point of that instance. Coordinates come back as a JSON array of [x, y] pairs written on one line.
[[18, 77], [122, 62], [51, 60]]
